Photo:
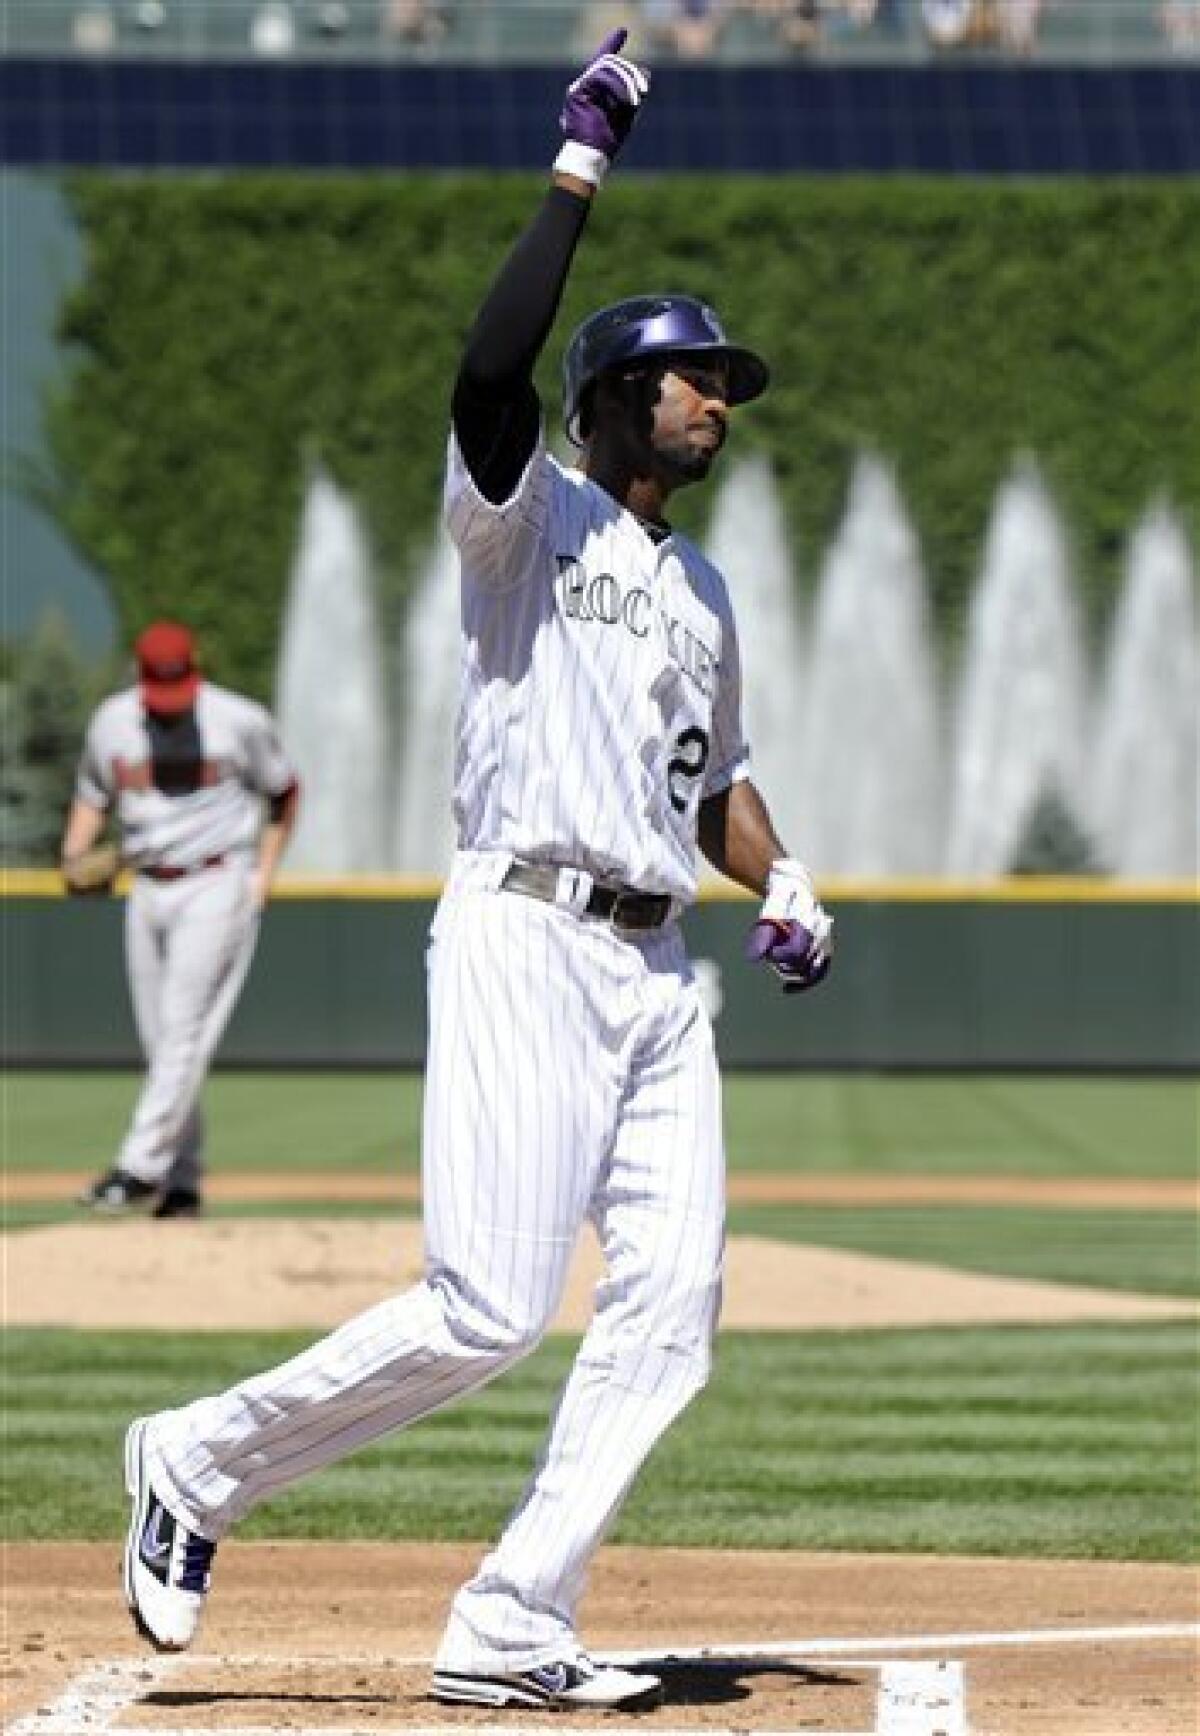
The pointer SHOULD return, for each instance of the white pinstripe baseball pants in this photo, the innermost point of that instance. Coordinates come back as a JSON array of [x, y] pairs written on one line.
[[571, 1073]]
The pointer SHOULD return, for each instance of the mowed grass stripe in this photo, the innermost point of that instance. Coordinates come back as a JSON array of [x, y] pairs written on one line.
[[36, 1215], [365, 1121], [1156, 1253], [985, 1124], [957, 1124], [1013, 1441]]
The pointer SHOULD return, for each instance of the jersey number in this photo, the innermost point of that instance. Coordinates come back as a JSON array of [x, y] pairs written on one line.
[[690, 759]]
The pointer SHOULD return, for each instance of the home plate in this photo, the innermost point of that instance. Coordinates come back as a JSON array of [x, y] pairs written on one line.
[[921, 1700]]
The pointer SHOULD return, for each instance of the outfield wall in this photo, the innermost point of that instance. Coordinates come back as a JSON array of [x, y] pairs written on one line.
[[949, 118], [1024, 976]]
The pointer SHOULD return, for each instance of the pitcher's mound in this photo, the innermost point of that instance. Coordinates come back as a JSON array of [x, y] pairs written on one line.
[[243, 1274]]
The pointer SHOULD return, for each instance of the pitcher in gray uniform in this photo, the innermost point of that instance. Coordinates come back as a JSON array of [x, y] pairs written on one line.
[[204, 798], [571, 1073]]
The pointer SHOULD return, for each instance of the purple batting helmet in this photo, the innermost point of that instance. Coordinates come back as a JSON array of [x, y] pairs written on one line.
[[652, 325]]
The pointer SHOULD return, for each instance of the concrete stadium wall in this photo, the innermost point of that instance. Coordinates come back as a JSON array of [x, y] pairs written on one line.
[[1027, 978]]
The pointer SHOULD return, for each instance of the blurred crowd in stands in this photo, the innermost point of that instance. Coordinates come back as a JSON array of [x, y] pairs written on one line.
[[693, 30]]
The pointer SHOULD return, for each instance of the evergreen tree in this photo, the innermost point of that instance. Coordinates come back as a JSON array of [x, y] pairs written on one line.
[[47, 692]]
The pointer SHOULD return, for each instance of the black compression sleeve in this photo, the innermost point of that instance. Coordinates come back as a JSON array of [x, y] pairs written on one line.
[[495, 407], [277, 806]]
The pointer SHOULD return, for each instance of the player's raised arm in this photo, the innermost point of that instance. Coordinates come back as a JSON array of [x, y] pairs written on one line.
[[495, 407]]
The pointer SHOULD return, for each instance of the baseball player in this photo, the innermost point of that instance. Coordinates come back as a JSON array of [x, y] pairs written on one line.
[[204, 799], [571, 1071]]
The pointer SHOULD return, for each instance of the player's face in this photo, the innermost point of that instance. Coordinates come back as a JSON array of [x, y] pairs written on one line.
[[689, 416]]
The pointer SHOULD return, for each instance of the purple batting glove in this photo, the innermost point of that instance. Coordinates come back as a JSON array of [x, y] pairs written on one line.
[[600, 107], [789, 949]]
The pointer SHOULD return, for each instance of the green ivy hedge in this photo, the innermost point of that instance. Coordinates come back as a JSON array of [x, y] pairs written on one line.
[[230, 331]]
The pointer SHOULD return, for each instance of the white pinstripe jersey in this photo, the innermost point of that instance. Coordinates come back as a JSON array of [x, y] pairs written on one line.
[[601, 683], [205, 798]]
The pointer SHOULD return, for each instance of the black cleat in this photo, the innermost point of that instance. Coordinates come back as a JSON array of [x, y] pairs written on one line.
[[178, 1202], [117, 1192]]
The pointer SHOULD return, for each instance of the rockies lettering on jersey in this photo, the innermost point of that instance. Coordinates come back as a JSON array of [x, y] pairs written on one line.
[[603, 598], [601, 685]]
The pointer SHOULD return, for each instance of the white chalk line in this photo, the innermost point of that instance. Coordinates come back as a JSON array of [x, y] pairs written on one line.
[[734, 1649], [93, 1699], [900, 1643]]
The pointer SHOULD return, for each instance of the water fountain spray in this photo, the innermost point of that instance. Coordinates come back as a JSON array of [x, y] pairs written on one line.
[[749, 542], [1020, 713], [329, 696], [868, 742], [1146, 767]]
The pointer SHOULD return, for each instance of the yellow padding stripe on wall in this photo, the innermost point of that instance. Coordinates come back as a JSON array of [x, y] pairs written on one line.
[[45, 883]]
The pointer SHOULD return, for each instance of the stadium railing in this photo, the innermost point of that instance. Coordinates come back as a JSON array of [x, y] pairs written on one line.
[[742, 32]]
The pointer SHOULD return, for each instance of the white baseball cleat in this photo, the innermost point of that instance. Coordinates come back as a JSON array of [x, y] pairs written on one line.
[[166, 1568], [579, 1682]]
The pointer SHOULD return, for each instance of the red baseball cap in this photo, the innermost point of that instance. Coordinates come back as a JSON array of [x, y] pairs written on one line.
[[167, 673]]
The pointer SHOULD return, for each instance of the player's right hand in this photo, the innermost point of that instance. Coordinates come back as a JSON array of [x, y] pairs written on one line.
[[791, 951], [600, 108]]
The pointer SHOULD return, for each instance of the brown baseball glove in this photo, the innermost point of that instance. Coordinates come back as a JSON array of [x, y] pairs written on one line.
[[91, 872]]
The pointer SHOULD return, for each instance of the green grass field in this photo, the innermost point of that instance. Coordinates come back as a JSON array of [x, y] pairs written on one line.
[[1017, 1441], [1152, 1252], [1046, 1441], [969, 1124]]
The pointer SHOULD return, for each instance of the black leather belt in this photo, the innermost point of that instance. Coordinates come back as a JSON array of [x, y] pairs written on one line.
[[163, 871], [623, 906]]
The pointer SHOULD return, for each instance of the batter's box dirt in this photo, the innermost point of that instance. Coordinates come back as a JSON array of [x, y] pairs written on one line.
[[284, 1694], [332, 1638], [319, 1695]]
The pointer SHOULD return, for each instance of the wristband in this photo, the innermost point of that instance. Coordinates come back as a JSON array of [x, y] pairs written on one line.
[[585, 162], [785, 874]]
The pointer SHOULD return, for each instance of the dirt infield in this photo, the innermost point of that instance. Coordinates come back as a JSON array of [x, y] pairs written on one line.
[[335, 1639], [315, 1273], [1106, 1193]]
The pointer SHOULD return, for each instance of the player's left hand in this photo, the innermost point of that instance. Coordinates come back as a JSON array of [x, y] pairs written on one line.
[[90, 873], [793, 934], [600, 108], [260, 889]]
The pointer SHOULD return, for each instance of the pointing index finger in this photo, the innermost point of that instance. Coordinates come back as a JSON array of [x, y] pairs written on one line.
[[613, 43]]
